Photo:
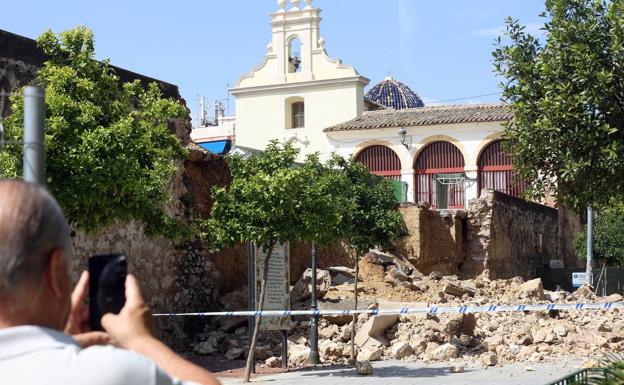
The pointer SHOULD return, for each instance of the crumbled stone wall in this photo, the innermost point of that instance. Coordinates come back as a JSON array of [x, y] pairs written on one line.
[[569, 225], [435, 239], [509, 237]]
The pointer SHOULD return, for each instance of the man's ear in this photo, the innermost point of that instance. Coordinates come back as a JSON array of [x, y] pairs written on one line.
[[57, 272]]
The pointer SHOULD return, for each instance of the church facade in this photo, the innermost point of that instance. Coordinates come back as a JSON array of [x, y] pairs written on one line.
[[443, 155]]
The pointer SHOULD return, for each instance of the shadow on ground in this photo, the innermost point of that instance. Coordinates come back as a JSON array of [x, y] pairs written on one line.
[[383, 372]]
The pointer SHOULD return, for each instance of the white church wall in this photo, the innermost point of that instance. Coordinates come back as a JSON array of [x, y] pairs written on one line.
[[262, 116]]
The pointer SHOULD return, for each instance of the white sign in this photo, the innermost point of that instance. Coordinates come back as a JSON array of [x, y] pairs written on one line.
[[578, 279], [556, 263], [277, 285]]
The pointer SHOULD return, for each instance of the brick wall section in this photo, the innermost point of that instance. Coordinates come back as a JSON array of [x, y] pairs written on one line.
[[435, 240], [508, 236]]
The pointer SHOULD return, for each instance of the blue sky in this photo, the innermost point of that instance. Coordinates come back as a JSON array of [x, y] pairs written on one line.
[[441, 49]]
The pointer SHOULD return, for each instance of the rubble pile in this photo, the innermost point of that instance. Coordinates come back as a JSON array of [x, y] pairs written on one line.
[[489, 339]]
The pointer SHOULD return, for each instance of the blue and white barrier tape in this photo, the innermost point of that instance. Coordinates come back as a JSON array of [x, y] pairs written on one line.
[[409, 310]]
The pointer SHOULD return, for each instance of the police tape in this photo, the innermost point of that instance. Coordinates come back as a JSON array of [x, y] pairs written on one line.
[[407, 310]]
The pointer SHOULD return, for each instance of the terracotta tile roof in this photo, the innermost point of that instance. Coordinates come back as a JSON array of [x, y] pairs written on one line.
[[427, 116]]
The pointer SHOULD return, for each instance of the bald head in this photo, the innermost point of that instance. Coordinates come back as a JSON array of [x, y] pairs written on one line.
[[31, 226]]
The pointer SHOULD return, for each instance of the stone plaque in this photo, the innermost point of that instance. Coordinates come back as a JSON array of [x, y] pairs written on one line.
[[277, 285]]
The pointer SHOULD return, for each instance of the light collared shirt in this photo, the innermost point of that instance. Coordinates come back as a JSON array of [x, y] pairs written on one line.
[[32, 355]]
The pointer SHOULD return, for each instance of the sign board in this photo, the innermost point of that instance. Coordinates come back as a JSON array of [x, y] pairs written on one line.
[[277, 285], [556, 263], [578, 279]]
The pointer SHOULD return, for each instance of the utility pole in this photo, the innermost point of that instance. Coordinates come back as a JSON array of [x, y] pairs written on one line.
[[315, 358], [590, 249], [34, 151]]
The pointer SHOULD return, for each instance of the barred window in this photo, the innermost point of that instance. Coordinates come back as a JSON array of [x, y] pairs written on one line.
[[298, 115]]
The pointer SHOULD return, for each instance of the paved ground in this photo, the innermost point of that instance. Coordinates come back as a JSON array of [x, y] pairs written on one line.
[[395, 372]]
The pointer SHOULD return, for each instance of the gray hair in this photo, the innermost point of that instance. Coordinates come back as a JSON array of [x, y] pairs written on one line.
[[31, 226]]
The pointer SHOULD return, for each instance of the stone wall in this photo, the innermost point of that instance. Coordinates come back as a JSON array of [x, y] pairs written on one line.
[[508, 236], [435, 239], [174, 276]]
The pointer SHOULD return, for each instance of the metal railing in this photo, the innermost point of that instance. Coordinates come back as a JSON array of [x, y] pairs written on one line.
[[580, 377]]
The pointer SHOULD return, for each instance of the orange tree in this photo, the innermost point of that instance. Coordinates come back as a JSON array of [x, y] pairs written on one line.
[[271, 200]]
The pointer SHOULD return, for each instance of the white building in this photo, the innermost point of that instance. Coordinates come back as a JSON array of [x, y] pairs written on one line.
[[443, 155]]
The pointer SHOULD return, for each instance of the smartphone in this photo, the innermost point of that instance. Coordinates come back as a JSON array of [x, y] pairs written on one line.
[[107, 293]]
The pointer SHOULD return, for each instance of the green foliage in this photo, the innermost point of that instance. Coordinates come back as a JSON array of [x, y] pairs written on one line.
[[109, 153], [375, 220], [567, 96], [608, 240], [272, 198], [610, 372]]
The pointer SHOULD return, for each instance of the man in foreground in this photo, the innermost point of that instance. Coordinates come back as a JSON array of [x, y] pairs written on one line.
[[42, 335]]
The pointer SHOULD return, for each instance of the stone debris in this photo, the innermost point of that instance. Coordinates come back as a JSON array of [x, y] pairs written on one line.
[[370, 354], [488, 339], [456, 369], [303, 288], [458, 291], [401, 350], [261, 353], [364, 368], [442, 353], [372, 333], [489, 359], [532, 289], [234, 353], [273, 362]]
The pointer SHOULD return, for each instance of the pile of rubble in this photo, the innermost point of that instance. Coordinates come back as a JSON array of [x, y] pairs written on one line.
[[387, 282]]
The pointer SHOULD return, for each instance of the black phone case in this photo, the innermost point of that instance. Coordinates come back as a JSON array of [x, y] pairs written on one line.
[[107, 294]]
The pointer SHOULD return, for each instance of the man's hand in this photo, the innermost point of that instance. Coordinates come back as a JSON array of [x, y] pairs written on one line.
[[78, 322], [129, 329]]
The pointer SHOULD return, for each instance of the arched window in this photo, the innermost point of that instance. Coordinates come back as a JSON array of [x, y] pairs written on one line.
[[496, 171], [295, 112], [439, 176], [294, 55], [381, 160]]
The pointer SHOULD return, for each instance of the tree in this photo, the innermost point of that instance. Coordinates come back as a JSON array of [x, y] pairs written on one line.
[[567, 96], [109, 153], [608, 243], [374, 221], [273, 200]]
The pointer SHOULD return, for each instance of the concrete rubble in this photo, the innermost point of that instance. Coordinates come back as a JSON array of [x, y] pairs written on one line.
[[488, 339]]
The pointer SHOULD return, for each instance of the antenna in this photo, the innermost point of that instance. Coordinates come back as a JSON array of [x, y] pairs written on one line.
[[227, 98], [202, 112], [218, 112]]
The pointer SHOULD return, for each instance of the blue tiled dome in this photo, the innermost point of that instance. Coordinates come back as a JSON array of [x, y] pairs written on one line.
[[393, 94]]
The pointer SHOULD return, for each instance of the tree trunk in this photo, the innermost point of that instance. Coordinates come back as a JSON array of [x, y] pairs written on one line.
[[355, 300], [251, 359]]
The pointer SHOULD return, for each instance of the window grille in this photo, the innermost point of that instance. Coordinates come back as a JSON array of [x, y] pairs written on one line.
[[298, 115]]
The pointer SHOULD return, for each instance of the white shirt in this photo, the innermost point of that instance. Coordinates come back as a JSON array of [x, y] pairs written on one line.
[[32, 355]]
